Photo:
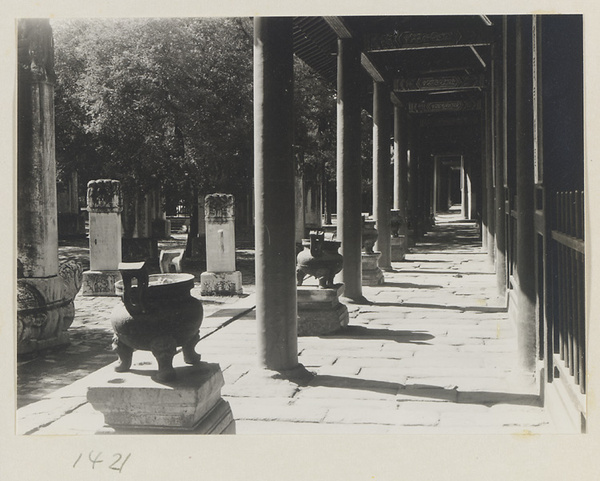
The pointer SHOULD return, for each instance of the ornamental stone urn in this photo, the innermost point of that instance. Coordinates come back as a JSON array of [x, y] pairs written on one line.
[[158, 314], [320, 259], [369, 235]]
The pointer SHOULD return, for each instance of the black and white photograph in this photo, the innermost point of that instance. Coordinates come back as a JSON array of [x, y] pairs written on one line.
[[326, 234]]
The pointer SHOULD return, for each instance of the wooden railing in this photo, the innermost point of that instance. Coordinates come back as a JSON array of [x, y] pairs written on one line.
[[566, 313]]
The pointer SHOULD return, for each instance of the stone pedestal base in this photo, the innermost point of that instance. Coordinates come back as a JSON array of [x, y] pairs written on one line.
[[133, 403], [221, 283], [45, 309], [399, 247], [372, 275], [320, 311], [100, 283]]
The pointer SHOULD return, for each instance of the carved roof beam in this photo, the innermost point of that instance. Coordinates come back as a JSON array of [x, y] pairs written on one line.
[[412, 40], [342, 30], [430, 107], [429, 83]]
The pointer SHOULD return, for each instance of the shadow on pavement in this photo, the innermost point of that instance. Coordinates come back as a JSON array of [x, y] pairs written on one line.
[[486, 398], [361, 332]]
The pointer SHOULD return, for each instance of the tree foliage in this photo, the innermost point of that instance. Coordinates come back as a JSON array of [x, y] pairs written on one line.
[[315, 120], [168, 103], [156, 102]]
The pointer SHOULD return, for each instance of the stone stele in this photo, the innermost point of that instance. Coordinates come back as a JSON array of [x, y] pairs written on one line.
[[105, 204], [220, 277]]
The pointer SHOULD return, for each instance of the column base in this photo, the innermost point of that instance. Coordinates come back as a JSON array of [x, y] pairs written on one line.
[[399, 247], [320, 311], [221, 283], [100, 283], [372, 275], [133, 403], [45, 309]]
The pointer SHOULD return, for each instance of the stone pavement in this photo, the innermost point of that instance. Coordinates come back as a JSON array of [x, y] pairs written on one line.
[[432, 352]]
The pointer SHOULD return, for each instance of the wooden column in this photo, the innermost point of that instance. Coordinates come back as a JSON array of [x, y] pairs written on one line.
[[489, 179], [276, 309], [470, 213], [412, 181], [483, 183], [525, 252], [349, 220], [436, 184], [400, 160], [499, 153], [463, 189], [381, 171]]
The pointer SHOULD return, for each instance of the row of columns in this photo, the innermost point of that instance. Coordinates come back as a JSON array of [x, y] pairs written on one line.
[[275, 227], [505, 135]]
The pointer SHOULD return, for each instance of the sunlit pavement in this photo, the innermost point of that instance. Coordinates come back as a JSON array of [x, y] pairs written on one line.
[[432, 352]]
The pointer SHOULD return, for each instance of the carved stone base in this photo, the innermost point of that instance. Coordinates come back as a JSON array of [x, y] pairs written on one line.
[[320, 311], [372, 275], [45, 309], [134, 403], [399, 247], [100, 283], [221, 283]]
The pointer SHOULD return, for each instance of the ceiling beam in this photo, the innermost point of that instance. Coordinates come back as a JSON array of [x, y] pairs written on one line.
[[339, 27], [476, 53], [428, 83], [342, 30], [419, 40], [370, 67], [433, 106]]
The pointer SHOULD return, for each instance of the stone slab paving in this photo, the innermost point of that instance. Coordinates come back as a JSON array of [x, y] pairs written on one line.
[[423, 356]]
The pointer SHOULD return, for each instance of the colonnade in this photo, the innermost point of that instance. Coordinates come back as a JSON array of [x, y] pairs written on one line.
[[275, 231], [487, 192]]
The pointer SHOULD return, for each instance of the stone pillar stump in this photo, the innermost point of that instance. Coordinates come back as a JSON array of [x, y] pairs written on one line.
[[105, 204], [220, 278], [45, 290]]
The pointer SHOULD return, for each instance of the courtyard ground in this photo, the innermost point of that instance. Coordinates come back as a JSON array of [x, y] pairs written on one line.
[[431, 352]]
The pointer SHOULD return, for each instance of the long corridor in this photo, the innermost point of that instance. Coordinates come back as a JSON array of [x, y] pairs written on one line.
[[433, 352]]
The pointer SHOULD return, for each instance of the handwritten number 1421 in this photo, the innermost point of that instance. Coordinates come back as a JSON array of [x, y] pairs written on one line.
[[96, 459]]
